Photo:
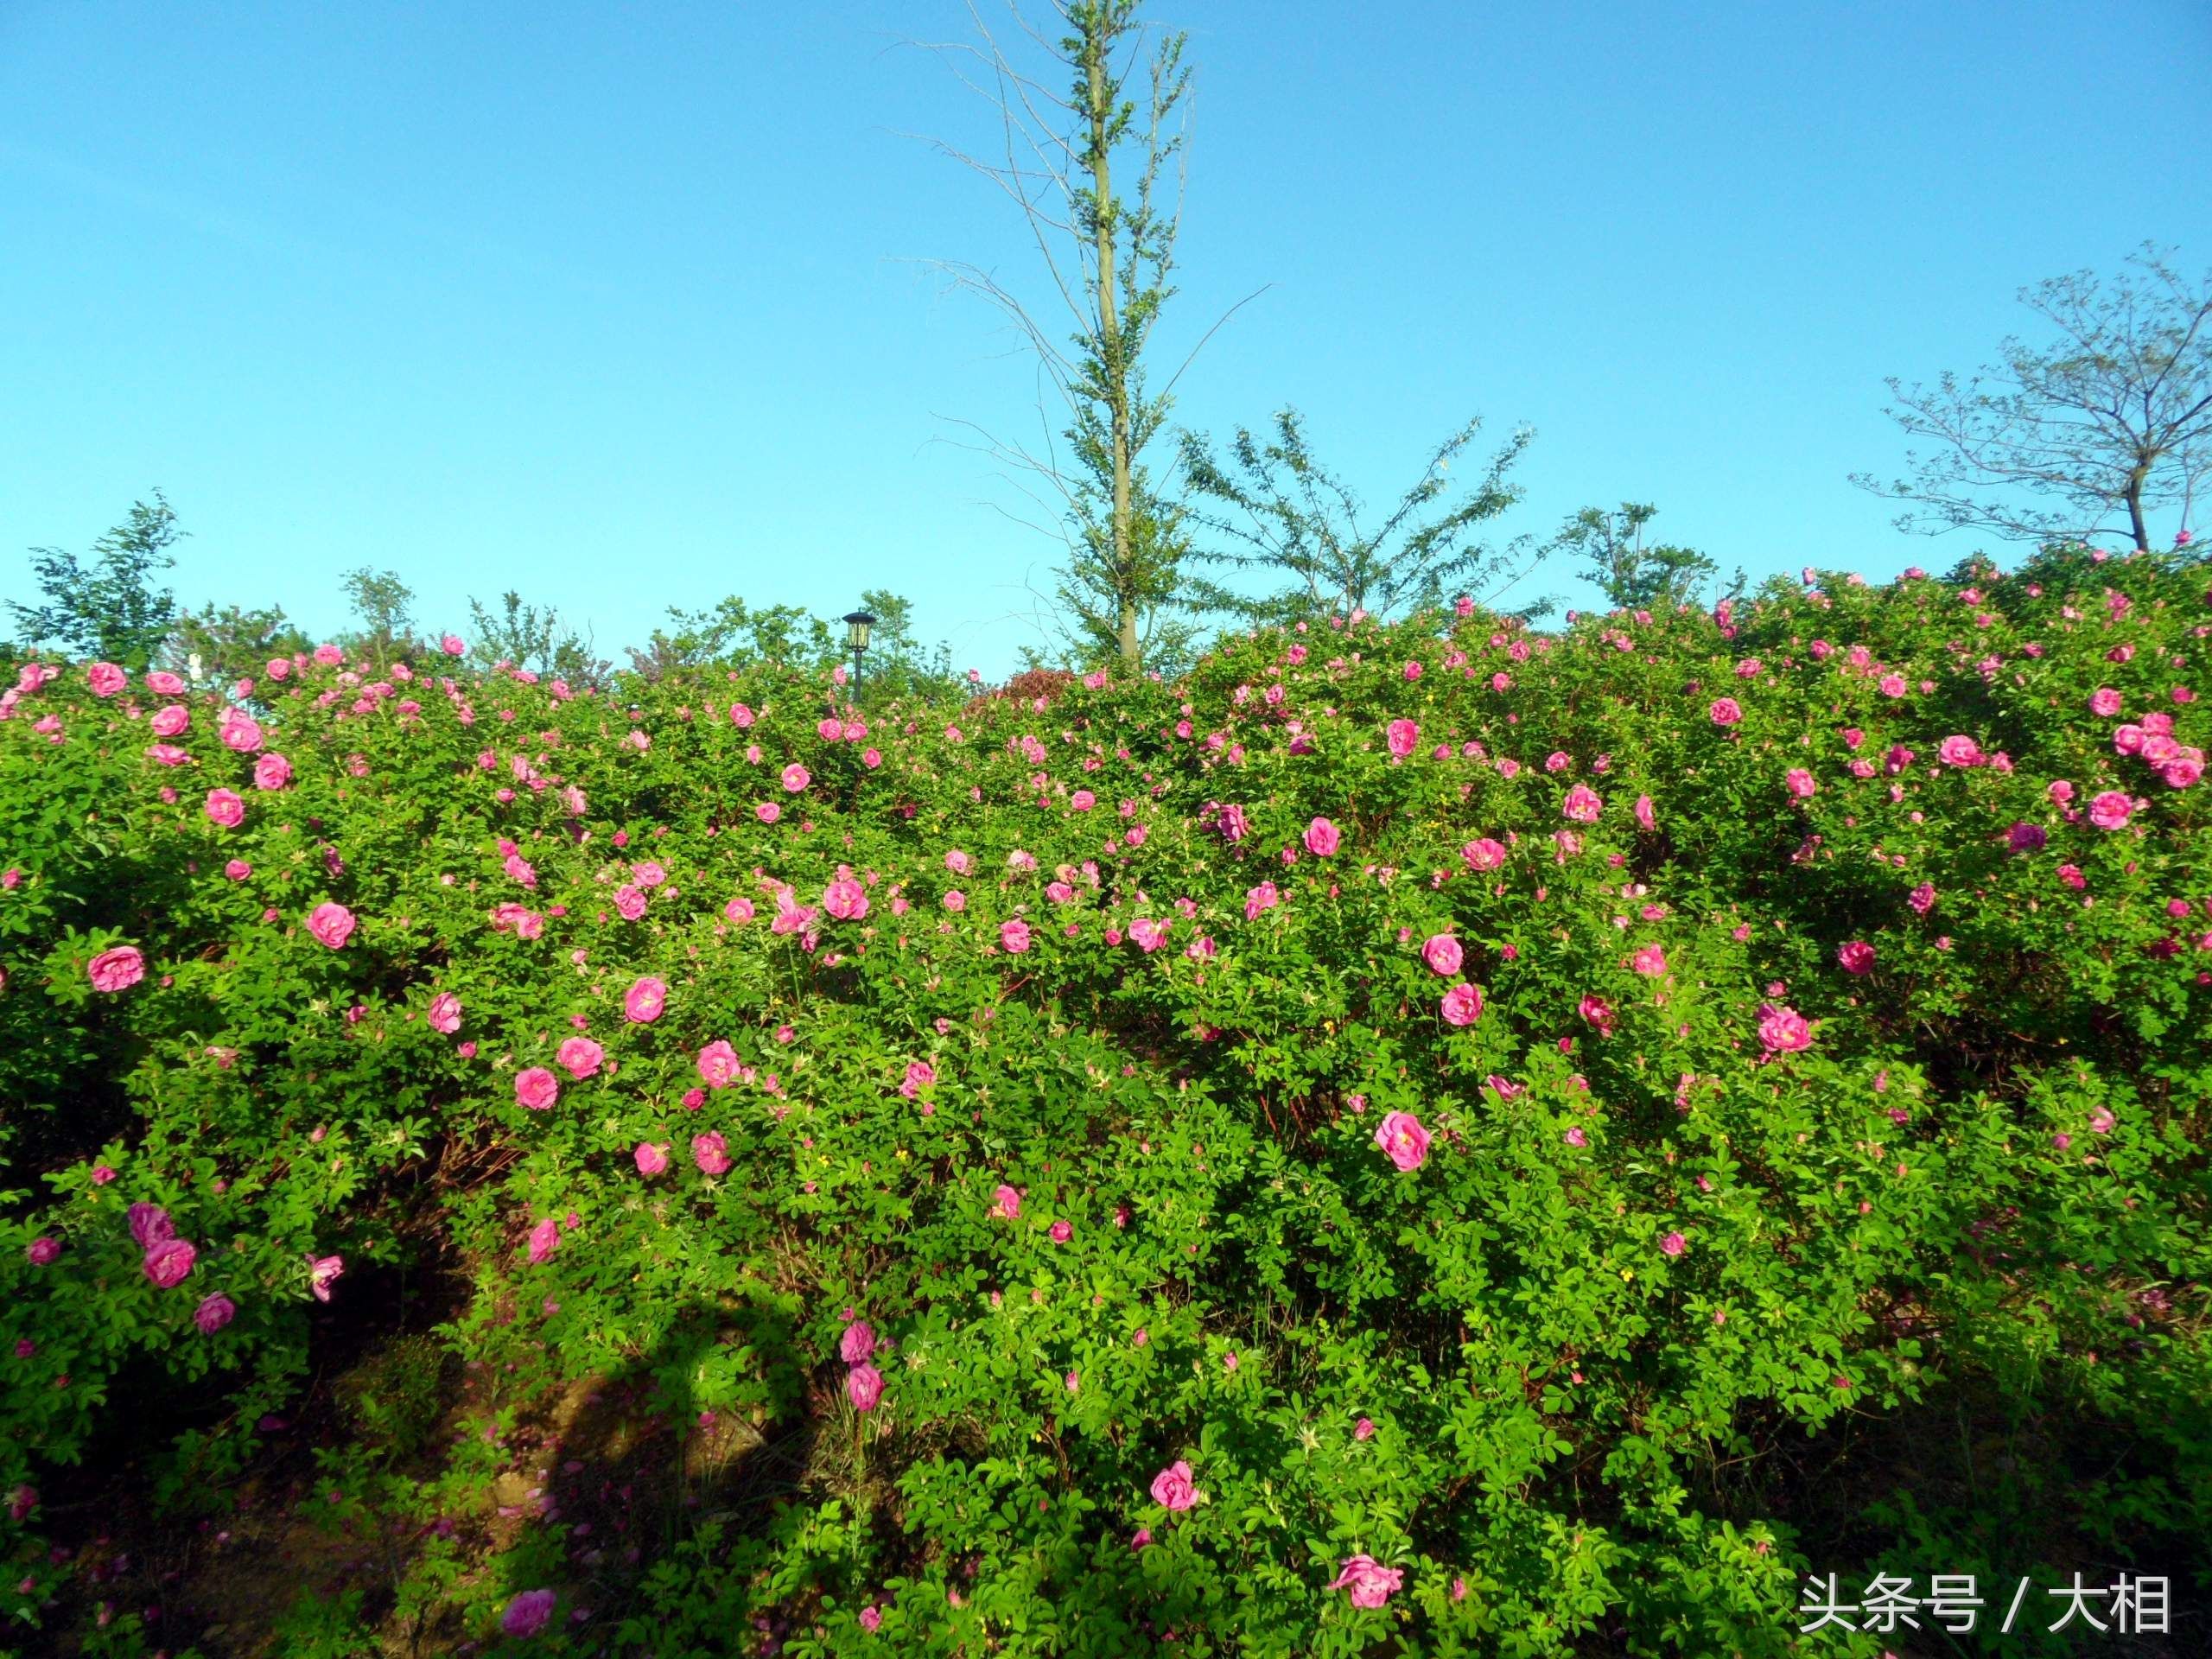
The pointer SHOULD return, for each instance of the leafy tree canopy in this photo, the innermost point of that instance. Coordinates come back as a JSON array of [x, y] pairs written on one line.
[[107, 608]]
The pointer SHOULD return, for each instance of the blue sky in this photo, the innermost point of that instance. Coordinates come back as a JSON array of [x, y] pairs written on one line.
[[627, 308]]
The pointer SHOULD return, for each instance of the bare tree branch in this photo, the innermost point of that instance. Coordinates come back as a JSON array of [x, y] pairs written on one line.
[[2112, 421]]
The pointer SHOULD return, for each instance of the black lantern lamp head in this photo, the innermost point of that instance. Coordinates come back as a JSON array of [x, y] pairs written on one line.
[[857, 623]]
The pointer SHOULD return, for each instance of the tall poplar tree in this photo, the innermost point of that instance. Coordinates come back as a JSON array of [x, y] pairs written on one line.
[[1096, 174]]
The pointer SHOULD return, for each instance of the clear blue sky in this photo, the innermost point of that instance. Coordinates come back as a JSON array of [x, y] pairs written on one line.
[[619, 306]]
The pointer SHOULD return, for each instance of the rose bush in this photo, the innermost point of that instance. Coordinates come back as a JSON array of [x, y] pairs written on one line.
[[1328, 1154]]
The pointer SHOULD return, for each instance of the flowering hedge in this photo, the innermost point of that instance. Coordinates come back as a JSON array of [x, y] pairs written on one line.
[[1383, 1147]]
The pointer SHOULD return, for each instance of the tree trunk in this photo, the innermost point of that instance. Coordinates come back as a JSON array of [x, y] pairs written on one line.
[[2135, 505], [1122, 566]]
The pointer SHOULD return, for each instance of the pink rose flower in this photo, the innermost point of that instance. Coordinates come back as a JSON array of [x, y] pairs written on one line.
[[272, 771], [864, 1387], [168, 722], [717, 1065], [1369, 1582], [1404, 737], [1172, 1488], [168, 1261], [324, 1273], [118, 969], [150, 1224], [1483, 855], [545, 1239], [857, 1344], [225, 807], [1401, 1135], [652, 1159], [1582, 804], [1857, 957], [333, 924], [1007, 1203], [845, 899], [537, 1088], [106, 679], [643, 1000], [1462, 1005], [1784, 1031], [1674, 1245], [1014, 936], [1321, 838], [43, 1250], [580, 1056], [1645, 815], [796, 777], [1726, 711], [710, 1152], [2111, 810], [213, 1313], [239, 731], [528, 1613], [1651, 962], [1443, 954], [445, 1013]]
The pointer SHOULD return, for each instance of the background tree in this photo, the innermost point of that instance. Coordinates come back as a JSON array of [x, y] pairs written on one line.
[[384, 604], [898, 663], [1634, 577], [1107, 256], [735, 635], [109, 610], [525, 637], [2111, 422], [230, 643], [1284, 515]]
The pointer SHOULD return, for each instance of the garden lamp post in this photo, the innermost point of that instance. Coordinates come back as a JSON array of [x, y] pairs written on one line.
[[857, 623]]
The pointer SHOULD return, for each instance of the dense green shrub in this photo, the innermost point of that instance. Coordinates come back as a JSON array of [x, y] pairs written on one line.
[[1436, 1116]]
